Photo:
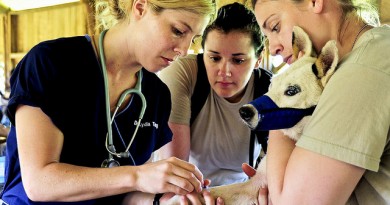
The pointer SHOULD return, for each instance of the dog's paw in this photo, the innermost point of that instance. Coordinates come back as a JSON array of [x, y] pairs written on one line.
[[244, 193]]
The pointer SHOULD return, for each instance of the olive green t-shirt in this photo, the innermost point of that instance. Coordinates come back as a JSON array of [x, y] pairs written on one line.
[[351, 122]]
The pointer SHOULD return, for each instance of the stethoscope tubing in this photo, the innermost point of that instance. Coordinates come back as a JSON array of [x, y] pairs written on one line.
[[109, 142]]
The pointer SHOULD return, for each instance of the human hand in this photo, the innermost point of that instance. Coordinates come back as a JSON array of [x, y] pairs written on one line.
[[169, 175], [193, 198], [208, 198], [263, 192], [248, 170]]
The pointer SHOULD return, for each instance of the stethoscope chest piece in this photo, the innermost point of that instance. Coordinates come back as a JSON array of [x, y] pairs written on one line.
[[109, 163]]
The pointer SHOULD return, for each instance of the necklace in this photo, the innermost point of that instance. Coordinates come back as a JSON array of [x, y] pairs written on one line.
[[356, 38]]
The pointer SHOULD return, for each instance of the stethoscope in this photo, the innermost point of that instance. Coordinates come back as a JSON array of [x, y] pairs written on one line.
[[109, 143]]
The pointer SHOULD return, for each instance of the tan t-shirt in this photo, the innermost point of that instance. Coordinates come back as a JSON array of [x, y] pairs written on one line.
[[352, 120], [219, 139]]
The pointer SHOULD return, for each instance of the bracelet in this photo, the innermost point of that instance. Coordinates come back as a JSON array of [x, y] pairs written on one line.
[[156, 200]]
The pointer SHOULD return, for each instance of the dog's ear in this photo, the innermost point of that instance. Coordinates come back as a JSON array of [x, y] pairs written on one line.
[[326, 63], [301, 42]]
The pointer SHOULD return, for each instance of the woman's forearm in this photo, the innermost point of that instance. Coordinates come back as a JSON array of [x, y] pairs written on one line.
[[64, 182], [180, 145], [280, 148]]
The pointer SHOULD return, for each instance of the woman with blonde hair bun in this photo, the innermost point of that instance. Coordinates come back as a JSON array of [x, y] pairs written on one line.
[[95, 147]]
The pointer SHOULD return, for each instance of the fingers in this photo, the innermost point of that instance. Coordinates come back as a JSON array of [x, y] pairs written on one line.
[[169, 175], [170, 198], [263, 196], [183, 200], [206, 183], [167, 196], [220, 201], [248, 170], [173, 175], [186, 171], [187, 166], [209, 200], [186, 181], [194, 198], [205, 198]]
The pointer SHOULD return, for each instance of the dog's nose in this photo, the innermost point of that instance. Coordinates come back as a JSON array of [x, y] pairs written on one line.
[[246, 113]]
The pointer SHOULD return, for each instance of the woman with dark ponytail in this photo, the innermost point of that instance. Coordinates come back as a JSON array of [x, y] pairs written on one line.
[[226, 76]]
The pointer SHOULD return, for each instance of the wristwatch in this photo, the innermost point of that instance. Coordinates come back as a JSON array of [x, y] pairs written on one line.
[[156, 200]]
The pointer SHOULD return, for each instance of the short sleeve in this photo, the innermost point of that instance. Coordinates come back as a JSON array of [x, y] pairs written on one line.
[[180, 77], [29, 80]]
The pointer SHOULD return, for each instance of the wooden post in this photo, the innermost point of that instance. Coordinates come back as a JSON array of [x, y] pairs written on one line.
[[89, 6], [7, 44]]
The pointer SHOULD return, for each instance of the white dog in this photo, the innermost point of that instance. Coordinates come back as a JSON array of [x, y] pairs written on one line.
[[294, 91]]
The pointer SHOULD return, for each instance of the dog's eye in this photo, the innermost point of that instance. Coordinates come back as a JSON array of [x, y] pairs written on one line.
[[292, 90]]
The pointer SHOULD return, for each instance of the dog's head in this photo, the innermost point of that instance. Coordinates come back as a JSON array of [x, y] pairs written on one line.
[[295, 91]]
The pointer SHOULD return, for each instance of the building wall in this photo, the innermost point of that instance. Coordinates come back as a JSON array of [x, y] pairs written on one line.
[[30, 27]]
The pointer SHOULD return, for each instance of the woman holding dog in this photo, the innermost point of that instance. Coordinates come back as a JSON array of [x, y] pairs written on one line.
[[216, 140], [54, 157], [343, 155]]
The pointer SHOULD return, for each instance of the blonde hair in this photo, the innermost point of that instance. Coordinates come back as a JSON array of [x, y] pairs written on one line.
[[365, 10], [362, 8], [110, 12]]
